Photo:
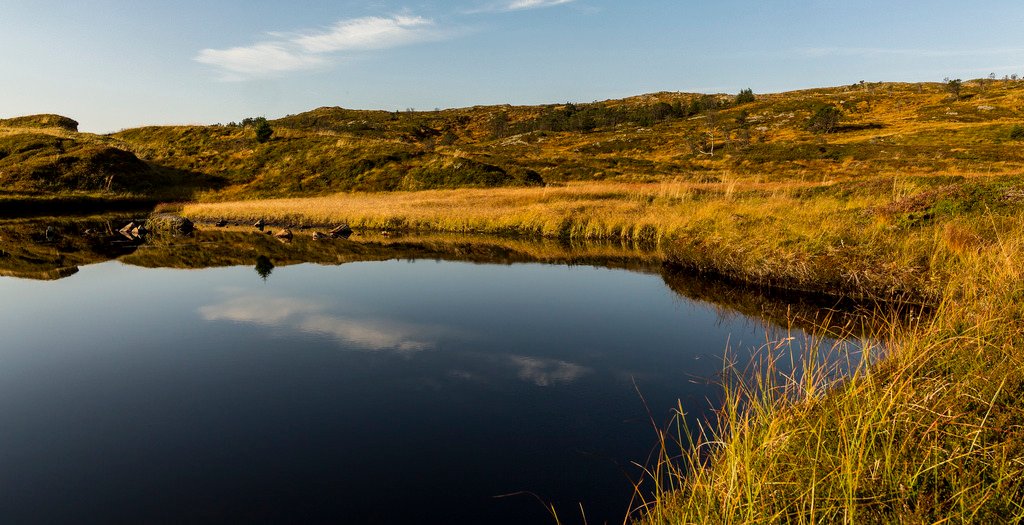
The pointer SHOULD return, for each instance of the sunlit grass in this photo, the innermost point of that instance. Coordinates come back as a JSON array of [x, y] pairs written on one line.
[[931, 433]]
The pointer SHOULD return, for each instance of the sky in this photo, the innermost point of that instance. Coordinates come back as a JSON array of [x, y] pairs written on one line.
[[113, 65]]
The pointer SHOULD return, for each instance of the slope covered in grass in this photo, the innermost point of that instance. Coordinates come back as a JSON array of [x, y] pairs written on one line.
[[885, 129], [42, 156]]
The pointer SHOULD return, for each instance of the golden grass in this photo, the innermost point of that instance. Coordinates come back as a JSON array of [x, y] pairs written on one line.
[[932, 433], [764, 232]]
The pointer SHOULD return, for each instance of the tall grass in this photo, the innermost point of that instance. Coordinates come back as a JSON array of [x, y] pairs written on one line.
[[932, 433]]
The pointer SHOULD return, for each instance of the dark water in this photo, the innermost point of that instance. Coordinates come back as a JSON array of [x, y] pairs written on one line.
[[392, 391]]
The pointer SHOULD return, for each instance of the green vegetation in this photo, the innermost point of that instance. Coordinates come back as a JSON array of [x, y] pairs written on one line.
[[954, 86], [262, 129], [825, 119]]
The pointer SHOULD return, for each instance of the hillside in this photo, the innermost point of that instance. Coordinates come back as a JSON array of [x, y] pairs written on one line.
[[886, 128], [45, 156]]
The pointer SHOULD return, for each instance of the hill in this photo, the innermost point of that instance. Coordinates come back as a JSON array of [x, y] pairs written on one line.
[[44, 156], [885, 128]]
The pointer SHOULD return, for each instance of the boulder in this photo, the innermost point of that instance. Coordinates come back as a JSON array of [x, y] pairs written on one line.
[[341, 231], [317, 236], [222, 223], [284, 234], [259, 225], [184, 226]]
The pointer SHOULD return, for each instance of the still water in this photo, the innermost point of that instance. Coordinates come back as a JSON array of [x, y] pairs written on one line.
[[391, 391]]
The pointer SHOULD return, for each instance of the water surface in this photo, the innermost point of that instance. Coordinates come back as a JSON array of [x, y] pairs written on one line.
[[386, 391]]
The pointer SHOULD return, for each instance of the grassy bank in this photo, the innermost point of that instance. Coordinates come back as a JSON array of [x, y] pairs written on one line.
[[883, 238], [933, 431]]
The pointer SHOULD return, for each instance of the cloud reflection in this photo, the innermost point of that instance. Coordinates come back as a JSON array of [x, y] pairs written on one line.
[[548, 372], [312, 317]]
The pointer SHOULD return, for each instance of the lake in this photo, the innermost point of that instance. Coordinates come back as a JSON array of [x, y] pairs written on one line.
[[229, 377]]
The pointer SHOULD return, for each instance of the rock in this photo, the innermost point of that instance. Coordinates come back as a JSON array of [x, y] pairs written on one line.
[[51, 233], [128, 227], [91, 232], [259, 225], [284, 234], [317, 236], [184, 226], [222, 223], [341, 231]]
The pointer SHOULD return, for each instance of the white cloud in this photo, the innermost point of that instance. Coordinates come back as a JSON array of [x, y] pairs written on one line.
[[517, 5], [311, 50], [369, 33]]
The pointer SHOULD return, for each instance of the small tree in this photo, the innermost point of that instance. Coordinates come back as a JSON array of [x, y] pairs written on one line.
[[499, 125], [745, 96], [263, 130], [743, 119], [953, 86], [825, 119]]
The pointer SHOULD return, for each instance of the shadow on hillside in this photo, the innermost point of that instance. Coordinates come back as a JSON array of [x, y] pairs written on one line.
[[844, 128]]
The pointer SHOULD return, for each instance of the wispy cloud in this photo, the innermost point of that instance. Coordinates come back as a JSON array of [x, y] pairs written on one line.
[[818, 52], [518, 5], [315, 49], [514, 5]]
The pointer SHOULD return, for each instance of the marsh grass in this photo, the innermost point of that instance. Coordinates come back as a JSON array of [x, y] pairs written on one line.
[[862, 238], [930, 433]]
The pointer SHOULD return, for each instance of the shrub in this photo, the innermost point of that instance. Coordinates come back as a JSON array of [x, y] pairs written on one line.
[[745, 96], [263, 130], [1017, 132], [825, 119]]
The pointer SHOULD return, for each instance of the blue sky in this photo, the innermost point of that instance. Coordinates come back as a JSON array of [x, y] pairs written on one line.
[[117, 64]]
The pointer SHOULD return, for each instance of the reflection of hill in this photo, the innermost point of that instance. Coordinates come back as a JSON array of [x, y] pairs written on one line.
[[234, 246], [808, 312], [27, 251]]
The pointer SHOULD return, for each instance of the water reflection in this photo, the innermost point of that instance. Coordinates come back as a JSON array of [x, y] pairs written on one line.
[[264, 267], [547, 372], [303, 315], [352, 379]]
